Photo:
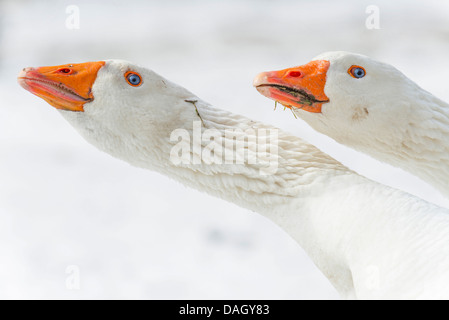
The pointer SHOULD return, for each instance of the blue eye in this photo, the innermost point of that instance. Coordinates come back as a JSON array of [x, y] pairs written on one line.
[[133, 78], [357, 72]]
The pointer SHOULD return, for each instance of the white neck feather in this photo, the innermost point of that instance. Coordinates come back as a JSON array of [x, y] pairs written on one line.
[[368, 239], [425, 147], [420, 141]]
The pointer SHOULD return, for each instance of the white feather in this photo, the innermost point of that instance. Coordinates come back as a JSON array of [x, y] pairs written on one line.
[[370, 240]]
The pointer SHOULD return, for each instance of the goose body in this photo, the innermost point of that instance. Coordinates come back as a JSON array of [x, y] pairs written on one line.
[[378, 111], [371, 241]]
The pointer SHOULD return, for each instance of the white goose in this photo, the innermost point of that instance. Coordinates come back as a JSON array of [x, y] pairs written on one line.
[[370, 240], [371, 107]]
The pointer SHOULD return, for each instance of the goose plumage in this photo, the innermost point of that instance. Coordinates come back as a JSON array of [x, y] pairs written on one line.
[[370, 240], [378, 111]]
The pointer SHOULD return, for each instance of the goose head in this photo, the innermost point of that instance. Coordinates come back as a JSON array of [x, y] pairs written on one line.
[[114, 104], [356, 100], [89, 90]]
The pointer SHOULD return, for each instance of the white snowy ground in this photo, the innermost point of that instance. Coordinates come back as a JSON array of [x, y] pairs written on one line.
[[136, 234]]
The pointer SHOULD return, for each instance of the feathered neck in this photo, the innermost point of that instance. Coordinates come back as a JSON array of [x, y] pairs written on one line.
[[426, 143], [420, 144], [346, 223], [212, 150]]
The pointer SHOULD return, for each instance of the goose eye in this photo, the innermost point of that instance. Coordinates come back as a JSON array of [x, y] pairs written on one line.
[[357, 72], [133, 78]]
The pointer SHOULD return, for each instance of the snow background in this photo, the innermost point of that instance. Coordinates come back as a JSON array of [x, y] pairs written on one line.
[[134, 233]]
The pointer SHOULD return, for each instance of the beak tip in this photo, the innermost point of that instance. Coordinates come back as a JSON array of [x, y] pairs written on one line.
[[22, 73], [261, 78], [20, 77]]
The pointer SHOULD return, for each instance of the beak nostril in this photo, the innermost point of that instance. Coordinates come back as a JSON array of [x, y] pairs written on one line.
[[65, 70], [295, 74]]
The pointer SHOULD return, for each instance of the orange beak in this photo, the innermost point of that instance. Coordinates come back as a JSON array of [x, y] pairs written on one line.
[[66, 87], [300, 87]]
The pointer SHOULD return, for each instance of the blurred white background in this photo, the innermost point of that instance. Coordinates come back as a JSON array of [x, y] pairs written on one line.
[[132, 233]]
